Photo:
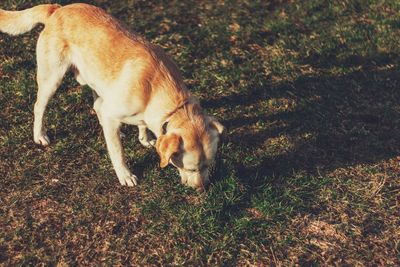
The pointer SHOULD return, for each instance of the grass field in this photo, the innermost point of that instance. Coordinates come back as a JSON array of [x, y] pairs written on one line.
[[308, 173]]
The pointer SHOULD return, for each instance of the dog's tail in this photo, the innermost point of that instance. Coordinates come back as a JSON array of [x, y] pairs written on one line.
[[19, 22]]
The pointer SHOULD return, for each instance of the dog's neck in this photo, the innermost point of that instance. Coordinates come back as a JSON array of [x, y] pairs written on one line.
[[169, 115]]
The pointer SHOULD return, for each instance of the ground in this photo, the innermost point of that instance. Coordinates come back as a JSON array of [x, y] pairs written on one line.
[[307, 174]]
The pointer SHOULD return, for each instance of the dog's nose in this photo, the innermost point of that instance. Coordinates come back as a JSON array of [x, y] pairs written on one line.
[[201, 187]]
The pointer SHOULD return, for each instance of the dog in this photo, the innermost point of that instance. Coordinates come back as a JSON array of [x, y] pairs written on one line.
[[133, 81]]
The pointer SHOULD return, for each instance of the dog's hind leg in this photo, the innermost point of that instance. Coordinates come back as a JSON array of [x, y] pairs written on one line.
[[51, 67]]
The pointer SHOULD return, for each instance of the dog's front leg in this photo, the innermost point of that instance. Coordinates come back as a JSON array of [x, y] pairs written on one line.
[[114, 146], [144, 138]]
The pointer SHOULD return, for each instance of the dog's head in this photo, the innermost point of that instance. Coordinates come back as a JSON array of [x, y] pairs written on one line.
[[190, 144]]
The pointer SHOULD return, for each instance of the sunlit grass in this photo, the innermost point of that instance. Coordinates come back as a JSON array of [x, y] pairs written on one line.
[[307, 173]]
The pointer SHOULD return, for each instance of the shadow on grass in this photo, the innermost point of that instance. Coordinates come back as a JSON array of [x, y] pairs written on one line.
[[350, 119]]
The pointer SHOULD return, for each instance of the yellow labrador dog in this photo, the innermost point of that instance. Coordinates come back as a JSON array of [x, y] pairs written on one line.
[[133, 81]]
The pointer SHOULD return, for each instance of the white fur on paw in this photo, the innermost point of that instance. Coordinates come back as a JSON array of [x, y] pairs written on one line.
[[129, 180], [147, 143], [184, 181], [43, 140]]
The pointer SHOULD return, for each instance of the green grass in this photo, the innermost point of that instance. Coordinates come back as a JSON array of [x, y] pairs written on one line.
[[307, 174]]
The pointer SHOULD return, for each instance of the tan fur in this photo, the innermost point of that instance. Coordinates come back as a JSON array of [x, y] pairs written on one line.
[[17, 22], [166, 147], [134, 82]]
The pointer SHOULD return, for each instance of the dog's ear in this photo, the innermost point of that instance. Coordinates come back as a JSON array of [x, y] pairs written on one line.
[[166, 146], [218, 126]]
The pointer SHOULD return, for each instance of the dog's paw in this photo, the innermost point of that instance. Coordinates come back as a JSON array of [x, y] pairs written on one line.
[[147, 143], [184, 180], [43, 140], [128, 180]]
